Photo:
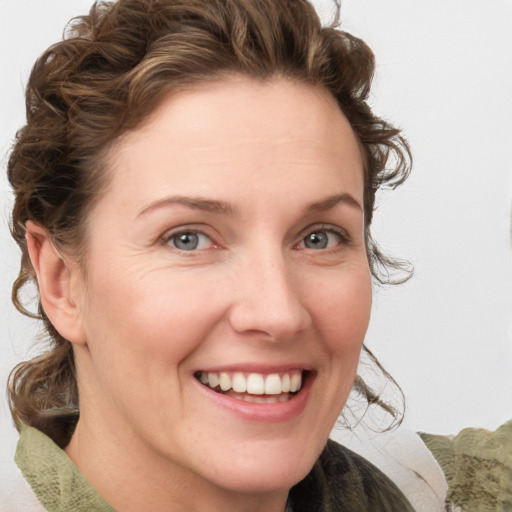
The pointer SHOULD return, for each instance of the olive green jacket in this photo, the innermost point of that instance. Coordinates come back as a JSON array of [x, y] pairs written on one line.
[[478, 467]]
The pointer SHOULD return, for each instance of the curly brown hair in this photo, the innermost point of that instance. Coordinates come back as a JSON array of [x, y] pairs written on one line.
[[112, 69]]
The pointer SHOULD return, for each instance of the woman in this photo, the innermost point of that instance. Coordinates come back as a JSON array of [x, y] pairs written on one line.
[[194, 191]]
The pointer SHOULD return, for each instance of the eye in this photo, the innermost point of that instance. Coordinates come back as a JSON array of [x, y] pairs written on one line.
[[189, 241], [321, 239]]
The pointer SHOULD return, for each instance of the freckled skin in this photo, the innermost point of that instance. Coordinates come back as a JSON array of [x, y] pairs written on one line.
[[253, 292]]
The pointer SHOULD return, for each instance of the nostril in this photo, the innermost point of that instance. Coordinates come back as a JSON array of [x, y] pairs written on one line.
[[272, 325]]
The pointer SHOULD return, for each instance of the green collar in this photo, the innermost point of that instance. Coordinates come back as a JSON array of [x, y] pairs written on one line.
[[56, 481]]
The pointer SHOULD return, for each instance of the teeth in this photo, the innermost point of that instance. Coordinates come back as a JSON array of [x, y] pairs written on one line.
[[263, 399], [296, 382], [285, 384], [239, 383], [273, 385], [224, 381], [254, 384], [213, 380]]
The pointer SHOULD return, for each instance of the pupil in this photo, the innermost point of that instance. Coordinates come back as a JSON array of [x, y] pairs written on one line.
[[316, 241], [187, 241]]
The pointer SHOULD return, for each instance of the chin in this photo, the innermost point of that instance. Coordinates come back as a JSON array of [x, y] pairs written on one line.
[[265, 481], [265, 470]]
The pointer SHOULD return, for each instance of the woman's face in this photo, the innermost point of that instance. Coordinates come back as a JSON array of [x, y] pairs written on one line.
[[227, 251]]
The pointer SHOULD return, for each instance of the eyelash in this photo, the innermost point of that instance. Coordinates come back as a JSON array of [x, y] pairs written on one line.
[[344, 238]]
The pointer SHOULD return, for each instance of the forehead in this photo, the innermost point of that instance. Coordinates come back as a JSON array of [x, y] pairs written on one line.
[[238, 133]]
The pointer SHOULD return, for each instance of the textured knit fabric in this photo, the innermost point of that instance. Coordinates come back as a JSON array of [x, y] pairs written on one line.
[[54, 478], [341, 481], [402, 456], [478, 467]]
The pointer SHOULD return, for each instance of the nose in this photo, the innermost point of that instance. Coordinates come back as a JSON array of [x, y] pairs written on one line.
[[268, 300]]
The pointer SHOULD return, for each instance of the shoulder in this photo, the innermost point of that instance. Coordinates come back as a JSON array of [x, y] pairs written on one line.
[[403, 456], [478, 466], [15, 492], [53, 477], [343, 481]]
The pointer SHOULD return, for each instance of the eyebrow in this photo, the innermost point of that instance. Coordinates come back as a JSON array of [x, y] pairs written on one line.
[[194, 203], [216, 206], [331, 201]]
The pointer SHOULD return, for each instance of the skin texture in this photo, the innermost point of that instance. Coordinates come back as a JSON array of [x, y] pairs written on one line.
[[252, 295]]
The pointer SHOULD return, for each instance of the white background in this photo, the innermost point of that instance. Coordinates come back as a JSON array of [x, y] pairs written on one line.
[[444, 76]]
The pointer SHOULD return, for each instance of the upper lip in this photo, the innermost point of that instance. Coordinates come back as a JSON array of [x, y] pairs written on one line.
[[256, 368]]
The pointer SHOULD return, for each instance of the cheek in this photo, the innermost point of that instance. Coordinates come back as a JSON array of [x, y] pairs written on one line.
[[152, 316], [342, 311]]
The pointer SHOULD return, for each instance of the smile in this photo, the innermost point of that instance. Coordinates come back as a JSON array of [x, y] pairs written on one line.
[[254, 387]]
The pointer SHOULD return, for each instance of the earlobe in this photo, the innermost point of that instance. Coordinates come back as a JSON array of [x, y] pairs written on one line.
[[55, 275]]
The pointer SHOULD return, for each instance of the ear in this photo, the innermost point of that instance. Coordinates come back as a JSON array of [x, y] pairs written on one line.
[[57, 279]]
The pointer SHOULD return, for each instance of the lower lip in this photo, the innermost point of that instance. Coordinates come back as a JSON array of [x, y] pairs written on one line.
[[271, 413]]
